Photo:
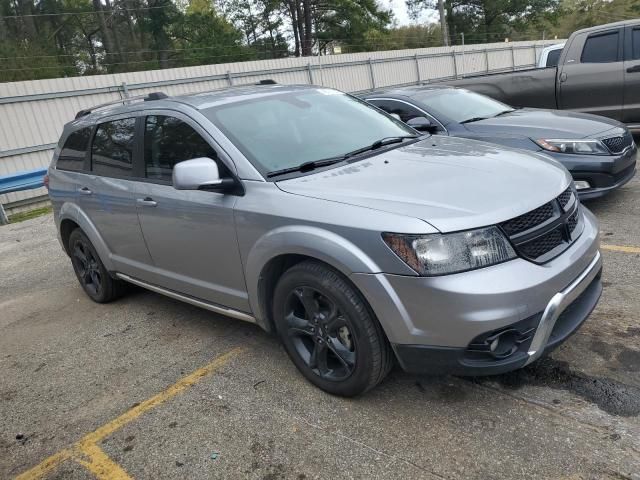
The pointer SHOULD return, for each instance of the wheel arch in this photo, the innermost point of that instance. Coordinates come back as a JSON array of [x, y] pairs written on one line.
[[278, 250], [71, 216]]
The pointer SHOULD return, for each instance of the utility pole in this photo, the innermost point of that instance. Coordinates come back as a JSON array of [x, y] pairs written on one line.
[[443, 24]]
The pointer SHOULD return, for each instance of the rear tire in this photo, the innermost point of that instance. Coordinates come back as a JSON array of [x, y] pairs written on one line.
[[90, 271], [328, 330]]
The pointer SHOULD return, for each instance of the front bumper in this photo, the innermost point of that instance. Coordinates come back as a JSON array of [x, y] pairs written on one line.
[[564, 314], [604, 173], [432, 321]]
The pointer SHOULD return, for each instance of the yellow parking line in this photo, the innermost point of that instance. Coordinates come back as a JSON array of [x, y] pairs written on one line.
[[100, 464], [621, 248], [86, 451]]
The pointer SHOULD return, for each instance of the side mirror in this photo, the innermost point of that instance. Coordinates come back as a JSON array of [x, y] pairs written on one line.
[[200, 174], [422, 124]]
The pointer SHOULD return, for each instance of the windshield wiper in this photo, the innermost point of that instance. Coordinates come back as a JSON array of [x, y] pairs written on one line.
[[307, 166], [505, 112], [473, 119], [312, 165]]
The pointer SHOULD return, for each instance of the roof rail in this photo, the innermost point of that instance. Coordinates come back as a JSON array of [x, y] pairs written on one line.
[[145, 98], [268, 81]]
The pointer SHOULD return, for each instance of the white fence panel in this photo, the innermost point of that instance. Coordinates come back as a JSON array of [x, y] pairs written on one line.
[[33, 113]]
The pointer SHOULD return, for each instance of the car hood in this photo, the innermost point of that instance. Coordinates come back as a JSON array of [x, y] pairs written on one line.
[[538, 123], [451, 183]]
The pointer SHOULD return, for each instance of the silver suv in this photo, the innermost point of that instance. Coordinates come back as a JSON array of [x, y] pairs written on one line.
[[356, 239]]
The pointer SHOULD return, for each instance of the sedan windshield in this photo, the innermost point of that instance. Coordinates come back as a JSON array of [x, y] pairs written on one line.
[[460, 106], [280, 131]]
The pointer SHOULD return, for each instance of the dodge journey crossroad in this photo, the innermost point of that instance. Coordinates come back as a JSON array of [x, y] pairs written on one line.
[[353, 237]]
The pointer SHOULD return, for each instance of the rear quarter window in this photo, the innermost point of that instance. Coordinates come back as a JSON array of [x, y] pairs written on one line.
[[74, 150]]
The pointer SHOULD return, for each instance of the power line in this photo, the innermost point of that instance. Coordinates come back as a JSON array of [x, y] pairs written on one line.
[[88, 12]]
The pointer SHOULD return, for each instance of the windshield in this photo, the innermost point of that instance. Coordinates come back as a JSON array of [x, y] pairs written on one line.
[[460, 105], [284, 130]]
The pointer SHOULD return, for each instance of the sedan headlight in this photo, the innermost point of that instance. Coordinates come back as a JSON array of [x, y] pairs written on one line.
[[581, 147], [438, 254]]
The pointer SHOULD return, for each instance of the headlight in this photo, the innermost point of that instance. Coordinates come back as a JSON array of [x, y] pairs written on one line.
[[437, 254], [582, 147]]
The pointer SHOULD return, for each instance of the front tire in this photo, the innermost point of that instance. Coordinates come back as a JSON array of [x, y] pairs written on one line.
[[329, 331], [91, 272]]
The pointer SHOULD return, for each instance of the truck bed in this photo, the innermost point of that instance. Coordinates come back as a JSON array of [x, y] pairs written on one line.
[[534, 87]]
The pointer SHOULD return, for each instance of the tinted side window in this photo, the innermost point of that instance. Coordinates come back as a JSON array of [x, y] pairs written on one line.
[[74, 150], [553, 57], [635, 40], [169, 140], [112, 149], [404, 111], [601, 48]]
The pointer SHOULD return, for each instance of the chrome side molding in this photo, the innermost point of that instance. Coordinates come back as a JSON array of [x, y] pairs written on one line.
[[193, 301]]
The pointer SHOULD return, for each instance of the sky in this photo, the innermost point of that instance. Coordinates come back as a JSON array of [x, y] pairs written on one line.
[[399, 8]]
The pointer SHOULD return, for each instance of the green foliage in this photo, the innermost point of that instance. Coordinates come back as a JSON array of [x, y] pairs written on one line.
[[57, 38]]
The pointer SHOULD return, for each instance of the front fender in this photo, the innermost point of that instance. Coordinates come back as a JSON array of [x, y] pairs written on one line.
[[313, 242], [71, 211]]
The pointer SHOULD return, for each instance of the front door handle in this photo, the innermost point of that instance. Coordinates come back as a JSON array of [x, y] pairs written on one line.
[[563, 77], [634, 69], [85, 191], [147, 202]]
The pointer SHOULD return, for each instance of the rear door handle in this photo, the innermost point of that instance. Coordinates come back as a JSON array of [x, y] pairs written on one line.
[[85, 191], [634, 69], [147, 202]]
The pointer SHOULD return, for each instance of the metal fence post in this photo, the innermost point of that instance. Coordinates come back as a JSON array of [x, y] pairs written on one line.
[[513, 57], [310, 74], [417, 67], [486, 58], [463, 62], [455, 64], [229, 78], [4, 220], [125, 90], [373, 78]]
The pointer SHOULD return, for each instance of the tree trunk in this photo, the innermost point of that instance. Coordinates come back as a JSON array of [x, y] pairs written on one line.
[[294, 24], [25, 9], [307, 44], [107, 39], [443, 24], [301, 32]]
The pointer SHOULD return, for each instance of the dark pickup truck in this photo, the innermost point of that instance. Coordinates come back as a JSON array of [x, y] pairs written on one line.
[[598, 72]]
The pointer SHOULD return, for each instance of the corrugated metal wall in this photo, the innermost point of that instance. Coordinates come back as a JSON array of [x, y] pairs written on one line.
[[33, 113]]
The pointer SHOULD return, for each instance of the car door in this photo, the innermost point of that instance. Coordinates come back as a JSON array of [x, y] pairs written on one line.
[[631, 111], [591, 76], [190, 235], [106, 194]]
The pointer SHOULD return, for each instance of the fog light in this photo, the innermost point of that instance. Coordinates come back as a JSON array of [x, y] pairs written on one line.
[[581, 184]]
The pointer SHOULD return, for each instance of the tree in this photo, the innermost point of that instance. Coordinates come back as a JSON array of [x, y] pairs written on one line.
[[489, 20]]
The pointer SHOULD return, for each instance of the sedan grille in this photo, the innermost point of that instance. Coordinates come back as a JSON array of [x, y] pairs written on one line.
[[618, 144], [538, 234]]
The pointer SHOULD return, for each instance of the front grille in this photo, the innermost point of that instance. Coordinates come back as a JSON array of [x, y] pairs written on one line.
[[528, 220], [564, 197], [536, 235], [618, 144], [572, 222], [541, 245]]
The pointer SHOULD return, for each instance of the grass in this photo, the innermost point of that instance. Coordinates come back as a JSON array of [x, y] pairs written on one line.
[[22, 216]]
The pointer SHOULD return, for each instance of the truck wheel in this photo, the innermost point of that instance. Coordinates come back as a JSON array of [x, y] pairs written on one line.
[[93, 277], [328, 330]]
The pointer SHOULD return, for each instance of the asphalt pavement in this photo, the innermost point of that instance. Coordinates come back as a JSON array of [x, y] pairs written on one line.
[[151, 388]]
